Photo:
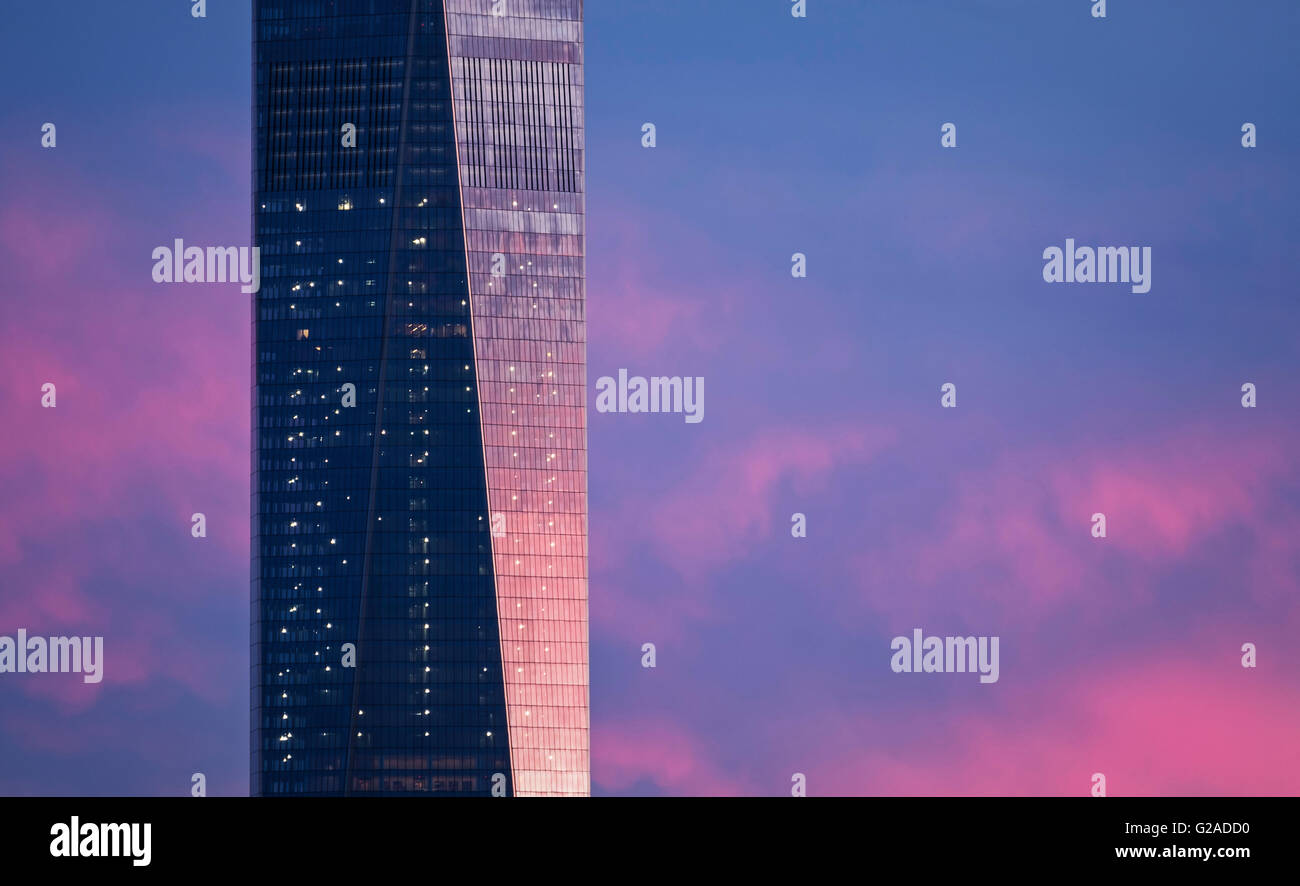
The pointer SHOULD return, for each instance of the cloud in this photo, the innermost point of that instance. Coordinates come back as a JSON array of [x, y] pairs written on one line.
[[1161, 725], [151, 425], [629, 754], [721, 509], [1015, 536]]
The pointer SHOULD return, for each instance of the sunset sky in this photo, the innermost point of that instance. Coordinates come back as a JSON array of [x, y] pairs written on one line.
[[1119, 655]]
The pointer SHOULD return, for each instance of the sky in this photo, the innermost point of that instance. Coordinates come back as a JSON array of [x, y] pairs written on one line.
[[775, 135]]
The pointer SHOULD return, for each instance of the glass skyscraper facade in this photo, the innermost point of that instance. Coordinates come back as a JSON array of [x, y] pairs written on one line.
[[419, 573]]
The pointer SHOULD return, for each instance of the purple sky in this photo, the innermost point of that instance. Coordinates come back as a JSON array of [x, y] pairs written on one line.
[[1118, 655]]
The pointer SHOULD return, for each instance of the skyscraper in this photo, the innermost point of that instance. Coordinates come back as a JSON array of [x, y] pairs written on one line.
[[419, 574]]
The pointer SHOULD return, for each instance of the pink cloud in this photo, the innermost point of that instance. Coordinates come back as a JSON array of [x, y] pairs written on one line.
[[1163, 726], [115, 434], [633, 751], [1017, 535], [645, 306], [725, 507], [151, 426], [720, 511], [1167, 493], [44, 242]]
